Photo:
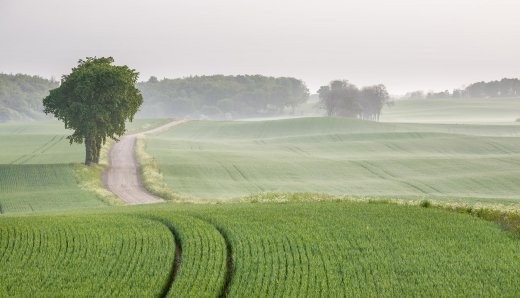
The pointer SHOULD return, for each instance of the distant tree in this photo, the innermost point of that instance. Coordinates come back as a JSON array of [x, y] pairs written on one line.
[[340, 98], [95, 100], [372, 100], [457, 93], [153, 79], [419, 94]]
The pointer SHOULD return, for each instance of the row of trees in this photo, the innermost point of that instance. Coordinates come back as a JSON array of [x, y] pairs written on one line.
[[341, 98], [21, 96], [220, 96], [503, 88]]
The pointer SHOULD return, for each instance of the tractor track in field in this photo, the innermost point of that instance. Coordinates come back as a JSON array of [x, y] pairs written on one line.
[[122, 177], [229, 256], [229, 264], [177, 258]]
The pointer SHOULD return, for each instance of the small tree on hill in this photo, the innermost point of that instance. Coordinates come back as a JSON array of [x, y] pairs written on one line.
[[95, 100]]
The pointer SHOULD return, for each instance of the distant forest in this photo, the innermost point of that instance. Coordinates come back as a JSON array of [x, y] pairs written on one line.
[[21, 96], [221, 97], [232, 97], [503, 88]]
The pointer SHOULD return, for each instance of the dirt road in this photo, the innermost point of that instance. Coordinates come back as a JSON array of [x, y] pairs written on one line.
[[122, 176]]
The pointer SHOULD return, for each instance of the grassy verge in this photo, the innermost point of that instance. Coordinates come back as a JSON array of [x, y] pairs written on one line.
[[90, 178], [151, 175], [508, 220]]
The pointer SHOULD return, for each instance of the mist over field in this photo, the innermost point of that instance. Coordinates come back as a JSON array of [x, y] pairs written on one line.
[[259, 148]]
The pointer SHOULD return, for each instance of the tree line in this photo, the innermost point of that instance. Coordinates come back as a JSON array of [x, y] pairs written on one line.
[[343, 99], [21, 96], [221, 97], [492, 89]]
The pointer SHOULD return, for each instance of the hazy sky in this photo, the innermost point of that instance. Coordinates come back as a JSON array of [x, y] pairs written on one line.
[[404, 44]]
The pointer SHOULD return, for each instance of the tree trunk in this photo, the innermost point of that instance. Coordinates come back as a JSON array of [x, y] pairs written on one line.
[[88, 151], [98, 151]]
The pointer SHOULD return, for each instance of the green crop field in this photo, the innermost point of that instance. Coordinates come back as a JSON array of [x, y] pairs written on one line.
[[455, 163], [305, 249], [457, 110], [84, 256]]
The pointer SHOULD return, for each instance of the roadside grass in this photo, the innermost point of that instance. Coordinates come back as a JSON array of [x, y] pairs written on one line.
[[151, 176], [89, 178]]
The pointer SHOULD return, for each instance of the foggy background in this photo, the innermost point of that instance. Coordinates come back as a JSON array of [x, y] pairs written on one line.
[[404, 44]]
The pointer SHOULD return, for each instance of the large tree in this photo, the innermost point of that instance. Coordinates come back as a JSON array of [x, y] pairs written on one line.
[[95, 100]]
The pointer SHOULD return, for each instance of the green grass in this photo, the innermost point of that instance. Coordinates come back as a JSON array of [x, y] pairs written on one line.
[[286, 244], [298, 249], [463, 110], [449, 163]]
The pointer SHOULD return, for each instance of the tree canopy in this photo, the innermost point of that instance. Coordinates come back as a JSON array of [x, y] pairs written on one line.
[[341, 98], [492, 89], [95, 100]]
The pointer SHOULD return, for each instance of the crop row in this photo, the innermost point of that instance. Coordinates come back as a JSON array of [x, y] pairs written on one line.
[[202, 268], [84, 256], [358, 249], [313, 249]]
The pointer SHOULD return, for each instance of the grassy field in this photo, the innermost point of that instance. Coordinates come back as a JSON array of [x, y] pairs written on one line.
[[37, 171], [462, 110], [449, 163], [288, 248], [300, 249]]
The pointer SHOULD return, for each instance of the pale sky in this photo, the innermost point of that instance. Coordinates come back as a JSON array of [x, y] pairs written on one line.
[[404, 44]]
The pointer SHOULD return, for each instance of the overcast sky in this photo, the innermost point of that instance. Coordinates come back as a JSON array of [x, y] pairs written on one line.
[[404, 44]]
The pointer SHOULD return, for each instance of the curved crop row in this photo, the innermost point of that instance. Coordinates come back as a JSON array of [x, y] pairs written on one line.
[[338, 249], [102, 255], [202, 269]]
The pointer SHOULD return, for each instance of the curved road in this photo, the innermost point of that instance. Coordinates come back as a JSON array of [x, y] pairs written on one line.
[[122, 176]]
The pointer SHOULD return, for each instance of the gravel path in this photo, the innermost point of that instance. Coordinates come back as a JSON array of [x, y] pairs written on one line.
[[122, 176]]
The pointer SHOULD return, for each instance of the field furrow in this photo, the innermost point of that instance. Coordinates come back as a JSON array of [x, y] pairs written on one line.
[[202, 268]]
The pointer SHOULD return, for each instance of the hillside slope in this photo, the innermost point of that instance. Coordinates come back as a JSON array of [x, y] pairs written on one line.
[[211, 160]]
